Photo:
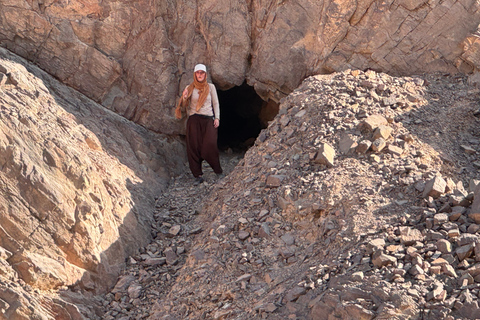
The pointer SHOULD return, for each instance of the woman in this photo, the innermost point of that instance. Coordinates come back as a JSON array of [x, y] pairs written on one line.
[[203, 110]]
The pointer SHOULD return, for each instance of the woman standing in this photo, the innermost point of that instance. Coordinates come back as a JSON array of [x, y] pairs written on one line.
[[203, 110]]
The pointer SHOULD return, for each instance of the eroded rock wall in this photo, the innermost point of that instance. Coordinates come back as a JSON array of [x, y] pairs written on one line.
[[77, 188], [134, 57]]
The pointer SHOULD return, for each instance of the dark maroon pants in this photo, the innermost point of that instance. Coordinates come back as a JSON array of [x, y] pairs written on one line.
[[202, 144]]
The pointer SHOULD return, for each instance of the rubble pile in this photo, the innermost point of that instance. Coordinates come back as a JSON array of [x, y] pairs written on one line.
[[361, 200]]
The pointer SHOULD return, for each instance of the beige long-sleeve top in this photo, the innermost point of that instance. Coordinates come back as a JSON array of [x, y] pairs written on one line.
[[211, 107]]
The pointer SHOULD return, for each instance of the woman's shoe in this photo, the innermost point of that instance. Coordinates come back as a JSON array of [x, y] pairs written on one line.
[[198, 180]]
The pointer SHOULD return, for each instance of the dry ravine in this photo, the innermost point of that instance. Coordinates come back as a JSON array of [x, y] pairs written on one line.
[[361, 200]]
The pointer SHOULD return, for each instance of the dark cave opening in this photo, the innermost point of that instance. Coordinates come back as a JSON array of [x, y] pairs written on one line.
[[243, 114]]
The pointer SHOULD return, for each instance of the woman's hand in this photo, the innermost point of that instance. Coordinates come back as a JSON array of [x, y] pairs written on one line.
[[216, 123], [185, 94], [178, 113]]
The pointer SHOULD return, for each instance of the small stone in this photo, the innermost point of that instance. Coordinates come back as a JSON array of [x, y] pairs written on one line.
[[383, 132], [409, 236], [468, 149], [466, 276], [270, 307], [373, 122], [378, 144], [477, 251], [155, 261], [196, 230], [242, 234], [434, 187], [464, 252], [379, 259], [374, 245], [171, 256], [375, 158], [295, 293], [274, 181], [449, 270], [288, 239], [264, 230], [245, 277], [435, 270], [473, 228], [475, 216], [416, 270], [467, 239], [394, 248], [346, 144], [363, 146], [174, 231], [134, 291], [453, 233], [456, 213], [325, 155], [440, 218], [444, 246], [397, 151], [358, 276], [439, 262]]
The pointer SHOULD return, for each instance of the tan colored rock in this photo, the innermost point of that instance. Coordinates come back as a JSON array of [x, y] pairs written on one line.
[[382, 131], [435, 269], [394, 150], [375, 245], [379, 144], [363, 146], [434, 187], [325, 155], [408, 236], [373, 122], [439, 262], [449, 270], [440, 218], [379, 259]]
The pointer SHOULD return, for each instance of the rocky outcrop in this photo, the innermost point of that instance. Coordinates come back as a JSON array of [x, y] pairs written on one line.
[[134, 57], [77, 192]]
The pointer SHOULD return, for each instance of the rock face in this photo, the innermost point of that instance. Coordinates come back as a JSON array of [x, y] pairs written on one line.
[[134, 57], [77, 192]]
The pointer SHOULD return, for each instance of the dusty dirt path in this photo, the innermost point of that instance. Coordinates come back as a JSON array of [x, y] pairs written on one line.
[[150, 273]]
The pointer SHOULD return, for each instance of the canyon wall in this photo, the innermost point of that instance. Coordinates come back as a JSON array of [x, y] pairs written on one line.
[[78, 188], [134, 57]]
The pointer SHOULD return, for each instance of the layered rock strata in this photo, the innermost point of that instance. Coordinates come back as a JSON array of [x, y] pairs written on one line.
[[134, 57], [77, 192]]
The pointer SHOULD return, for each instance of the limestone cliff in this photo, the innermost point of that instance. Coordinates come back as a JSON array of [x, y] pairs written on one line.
[[131, 56]]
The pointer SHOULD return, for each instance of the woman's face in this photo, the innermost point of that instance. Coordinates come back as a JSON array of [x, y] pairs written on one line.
[[200, 75]]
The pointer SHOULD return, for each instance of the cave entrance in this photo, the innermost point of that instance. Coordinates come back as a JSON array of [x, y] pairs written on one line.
[[243, 114]]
